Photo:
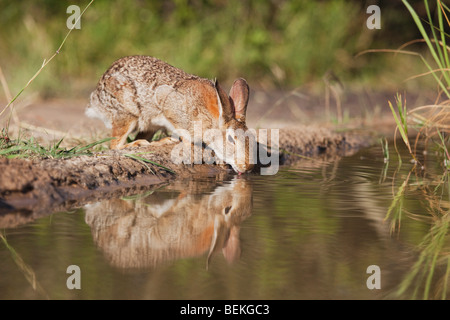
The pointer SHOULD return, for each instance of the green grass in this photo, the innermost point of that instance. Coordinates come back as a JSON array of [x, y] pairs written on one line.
[[429, 121], [400, 116], [136, 156], [436, 44], [429, 276], [31, 148]]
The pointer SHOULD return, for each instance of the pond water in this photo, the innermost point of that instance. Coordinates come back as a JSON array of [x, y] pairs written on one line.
[[309, 232]]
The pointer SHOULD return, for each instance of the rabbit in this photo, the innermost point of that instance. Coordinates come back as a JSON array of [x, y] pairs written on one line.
[[145, 94]]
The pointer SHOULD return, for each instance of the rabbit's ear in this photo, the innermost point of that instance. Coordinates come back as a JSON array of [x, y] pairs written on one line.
[[239, 94], [232, 249], [226, 111]]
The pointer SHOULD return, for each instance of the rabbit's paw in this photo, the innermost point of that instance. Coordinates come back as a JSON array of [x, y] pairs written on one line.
[[137, 144]]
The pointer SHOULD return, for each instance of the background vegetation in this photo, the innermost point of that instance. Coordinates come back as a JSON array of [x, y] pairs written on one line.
[[274, 44]]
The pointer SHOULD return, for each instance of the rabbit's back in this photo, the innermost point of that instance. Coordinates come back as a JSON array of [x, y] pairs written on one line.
[[130, 87], [147, 71], [136, 78]]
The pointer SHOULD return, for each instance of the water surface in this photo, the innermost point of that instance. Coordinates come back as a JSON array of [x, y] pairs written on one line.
[[309, 232]]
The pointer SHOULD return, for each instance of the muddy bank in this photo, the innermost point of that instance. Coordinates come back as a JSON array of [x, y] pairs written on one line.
[[32, 188]]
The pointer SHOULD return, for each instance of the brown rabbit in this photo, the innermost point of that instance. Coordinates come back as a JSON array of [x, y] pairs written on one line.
[[144, 94]]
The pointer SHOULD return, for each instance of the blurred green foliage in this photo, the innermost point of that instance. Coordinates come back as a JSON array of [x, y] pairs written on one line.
[[273, 43]]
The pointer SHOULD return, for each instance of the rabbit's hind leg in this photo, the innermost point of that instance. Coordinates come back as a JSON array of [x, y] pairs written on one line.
[[121, 130]]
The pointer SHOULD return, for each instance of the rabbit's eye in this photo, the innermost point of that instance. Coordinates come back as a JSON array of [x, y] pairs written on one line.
[[230, 138], [227, 209]]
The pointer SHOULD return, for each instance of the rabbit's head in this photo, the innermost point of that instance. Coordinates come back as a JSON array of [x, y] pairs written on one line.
[[238, 144]]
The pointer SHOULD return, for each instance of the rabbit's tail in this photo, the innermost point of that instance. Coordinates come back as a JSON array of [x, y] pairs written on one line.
[[93, 110]]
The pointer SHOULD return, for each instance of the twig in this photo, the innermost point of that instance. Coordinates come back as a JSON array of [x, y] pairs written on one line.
[[46, 61]]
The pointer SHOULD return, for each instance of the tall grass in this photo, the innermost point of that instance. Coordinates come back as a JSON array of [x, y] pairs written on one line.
[[436, 44], [429, 276], [429, 122]]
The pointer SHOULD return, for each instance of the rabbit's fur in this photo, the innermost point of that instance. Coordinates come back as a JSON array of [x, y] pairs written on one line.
[[144, 94]]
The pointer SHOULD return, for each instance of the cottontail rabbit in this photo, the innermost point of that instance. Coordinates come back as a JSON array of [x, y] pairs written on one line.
[[144, 94]]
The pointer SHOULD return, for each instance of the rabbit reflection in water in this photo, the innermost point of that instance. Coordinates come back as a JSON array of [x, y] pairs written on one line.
[[139, 234]]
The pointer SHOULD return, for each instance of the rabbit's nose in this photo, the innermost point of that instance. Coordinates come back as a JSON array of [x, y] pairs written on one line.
[[244, 168]]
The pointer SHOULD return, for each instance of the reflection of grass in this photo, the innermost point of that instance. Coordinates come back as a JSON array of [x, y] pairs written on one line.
[[395, 210], [434, 257], [385, 147], [429, 275], [26, 269]]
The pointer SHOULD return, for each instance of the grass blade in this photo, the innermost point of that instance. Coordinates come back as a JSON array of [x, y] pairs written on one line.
[[93, 144], [135, 157], [21, 148], [443, 34], [401, 128], [427, 39]]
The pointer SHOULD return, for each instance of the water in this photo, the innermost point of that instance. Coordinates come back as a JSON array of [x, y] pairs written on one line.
[[309, 232]]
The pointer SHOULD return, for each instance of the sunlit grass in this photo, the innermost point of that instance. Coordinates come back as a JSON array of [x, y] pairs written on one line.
[[30, 147], [429, 276], [436, 44], [136, 156]]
